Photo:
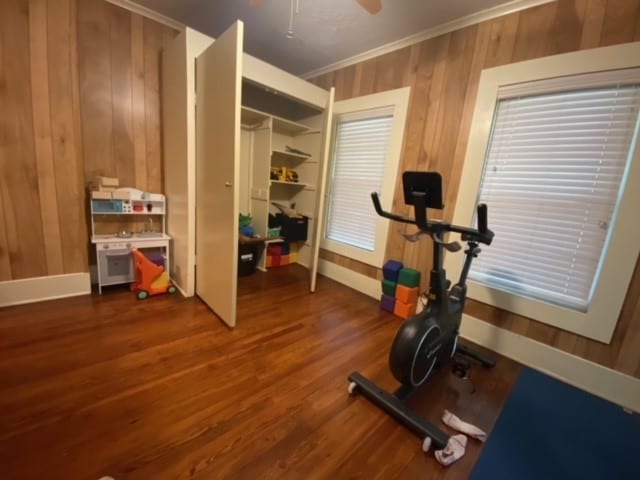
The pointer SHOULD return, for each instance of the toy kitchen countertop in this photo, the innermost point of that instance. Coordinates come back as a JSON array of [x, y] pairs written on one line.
[[134, 238]]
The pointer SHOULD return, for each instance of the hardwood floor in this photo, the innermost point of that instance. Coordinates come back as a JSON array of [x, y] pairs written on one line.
[[109, 385]]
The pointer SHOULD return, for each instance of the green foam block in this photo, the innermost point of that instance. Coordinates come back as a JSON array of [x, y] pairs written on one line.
[[409, 277], [389, 288]]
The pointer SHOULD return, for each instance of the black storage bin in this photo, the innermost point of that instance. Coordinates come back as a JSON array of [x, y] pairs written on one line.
[[247, 259], [293, 229]]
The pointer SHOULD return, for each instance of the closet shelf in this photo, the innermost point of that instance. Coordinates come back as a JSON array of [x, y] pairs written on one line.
[[284, 155], [296, 184], [289, 127], [252, 118]]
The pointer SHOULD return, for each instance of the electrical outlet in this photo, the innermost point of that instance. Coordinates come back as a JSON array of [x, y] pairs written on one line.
[[259, 193]]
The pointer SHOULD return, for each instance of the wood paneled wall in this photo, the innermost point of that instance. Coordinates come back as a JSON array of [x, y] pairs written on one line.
[[79, 97], [443, 73]]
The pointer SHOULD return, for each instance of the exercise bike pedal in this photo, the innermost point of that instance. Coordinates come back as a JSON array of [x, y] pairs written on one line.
[[461, 368]]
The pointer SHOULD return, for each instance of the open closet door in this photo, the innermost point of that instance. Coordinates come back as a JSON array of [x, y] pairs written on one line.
[[218, 91], [327, 133]]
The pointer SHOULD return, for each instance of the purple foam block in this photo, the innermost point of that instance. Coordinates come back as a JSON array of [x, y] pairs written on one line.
[[156, 258], [391, 270], [387, 303]]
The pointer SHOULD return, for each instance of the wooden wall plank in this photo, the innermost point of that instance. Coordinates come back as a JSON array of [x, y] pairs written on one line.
[[620, 22], [346, 84], [446, 123], [592, 22], [152, 36], [367, 78], [43, 136], [502, 40], [418, 107], [19, 186], [478, 60], [396, 245], [61, 35], [94, 71], [81, 181], [137, 96], [344, 90], [456, 85], [534, 26], [436, 86], [412, 68], [416, 115], [121, 75], [391, 70], [566, 30], [5, 261]]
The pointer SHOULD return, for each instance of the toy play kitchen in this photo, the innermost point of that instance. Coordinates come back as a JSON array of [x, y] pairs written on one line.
[[114, 250]]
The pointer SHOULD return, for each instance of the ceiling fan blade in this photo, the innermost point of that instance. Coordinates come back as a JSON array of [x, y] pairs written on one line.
[[371, 6], [257, 3]]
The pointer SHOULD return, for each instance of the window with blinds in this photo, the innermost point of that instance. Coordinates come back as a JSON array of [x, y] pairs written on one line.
[[553, 175], [360, 154]]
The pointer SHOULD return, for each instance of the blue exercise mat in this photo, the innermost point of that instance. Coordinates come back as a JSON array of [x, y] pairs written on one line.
[[551, 430]]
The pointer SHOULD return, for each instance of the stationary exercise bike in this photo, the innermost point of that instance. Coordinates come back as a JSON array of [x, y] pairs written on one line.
[[430, 338]]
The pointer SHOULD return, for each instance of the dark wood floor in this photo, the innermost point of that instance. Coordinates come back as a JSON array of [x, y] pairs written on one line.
[[109, 385]]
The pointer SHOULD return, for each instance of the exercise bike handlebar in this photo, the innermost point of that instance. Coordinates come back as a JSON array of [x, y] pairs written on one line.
[[390, 216], [482, 234]]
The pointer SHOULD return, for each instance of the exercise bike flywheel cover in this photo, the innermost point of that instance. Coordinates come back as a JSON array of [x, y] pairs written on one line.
[[415, 350]]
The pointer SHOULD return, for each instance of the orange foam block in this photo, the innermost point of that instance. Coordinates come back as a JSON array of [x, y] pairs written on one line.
[[404, 310], [407, 294], [273, 260]]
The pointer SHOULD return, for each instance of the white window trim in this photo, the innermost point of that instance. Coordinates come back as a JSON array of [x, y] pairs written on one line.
[[600, 321], [397, 99]]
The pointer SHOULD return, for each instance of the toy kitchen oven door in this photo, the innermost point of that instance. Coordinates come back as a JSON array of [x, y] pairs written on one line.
[[115, 264]]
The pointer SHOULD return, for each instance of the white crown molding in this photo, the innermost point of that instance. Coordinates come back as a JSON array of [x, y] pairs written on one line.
[[147, 12], [474, 18]]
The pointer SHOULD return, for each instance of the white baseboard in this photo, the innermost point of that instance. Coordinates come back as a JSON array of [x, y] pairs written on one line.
[[367, 285], [29, 290], [603, 382], [184, 294]]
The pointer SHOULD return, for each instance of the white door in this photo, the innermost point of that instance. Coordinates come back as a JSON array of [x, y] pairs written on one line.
[[320, 200], [218, 89]]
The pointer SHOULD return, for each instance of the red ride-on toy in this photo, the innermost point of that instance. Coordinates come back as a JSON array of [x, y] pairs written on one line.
[[151, 279]]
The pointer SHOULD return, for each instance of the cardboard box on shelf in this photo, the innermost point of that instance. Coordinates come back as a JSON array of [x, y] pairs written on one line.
[[107, 181], [97, 195], [103, 184]]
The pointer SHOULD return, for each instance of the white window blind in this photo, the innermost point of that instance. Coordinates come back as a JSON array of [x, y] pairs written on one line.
[[361, 148], [552, 178]]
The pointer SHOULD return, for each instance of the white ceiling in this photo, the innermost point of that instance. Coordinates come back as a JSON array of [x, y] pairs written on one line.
[[326, 31]]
